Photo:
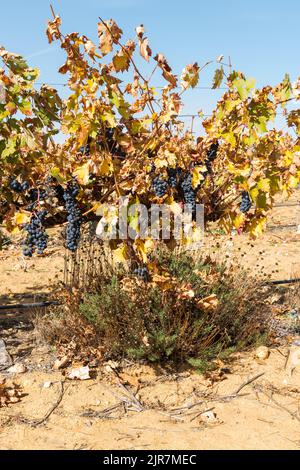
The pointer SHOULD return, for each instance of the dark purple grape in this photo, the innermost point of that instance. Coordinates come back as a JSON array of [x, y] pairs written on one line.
[[74, 217], [142, 273], [246, 203], [160, 186], [36, 235]]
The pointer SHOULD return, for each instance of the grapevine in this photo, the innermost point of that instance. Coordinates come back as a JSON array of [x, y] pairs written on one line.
[[124, 137]]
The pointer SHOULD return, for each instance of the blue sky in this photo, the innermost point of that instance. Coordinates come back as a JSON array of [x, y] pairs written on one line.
[[261, 36]]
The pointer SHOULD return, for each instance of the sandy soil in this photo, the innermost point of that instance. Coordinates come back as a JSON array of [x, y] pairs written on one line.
[[159, 410]]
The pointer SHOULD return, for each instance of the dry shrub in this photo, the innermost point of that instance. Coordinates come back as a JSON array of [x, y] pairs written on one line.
[[190, 311]]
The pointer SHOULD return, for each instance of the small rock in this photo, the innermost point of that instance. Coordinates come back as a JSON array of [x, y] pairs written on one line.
[[209, 417], [18, 368], [262, 352], [47, 384], [81, 373]]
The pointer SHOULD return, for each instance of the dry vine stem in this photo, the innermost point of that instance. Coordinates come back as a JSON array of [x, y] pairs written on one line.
[[294, 414], [37, 422], [216, 398]]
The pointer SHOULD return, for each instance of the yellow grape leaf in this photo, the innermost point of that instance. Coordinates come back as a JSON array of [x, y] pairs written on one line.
[[262, 125], [257, 227], [134, 221], [110, 118], [120, 254], [197, 175], [264, 185], [293, 181], [238, 220], [57, 175], [254, 193], [161, 163], [143, 247], [230, 138], [105, 167], [241, 88], [82, 173], [250, 83], [21, 218], [238, 170]]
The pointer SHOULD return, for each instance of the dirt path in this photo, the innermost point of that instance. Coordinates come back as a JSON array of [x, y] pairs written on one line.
[[92, 414]]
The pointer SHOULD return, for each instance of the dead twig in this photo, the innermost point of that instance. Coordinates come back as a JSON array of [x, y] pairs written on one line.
[[103, 414], [218, 398], [293, 414], [37, 422], [132, 401], [201, 413], [247, 382]]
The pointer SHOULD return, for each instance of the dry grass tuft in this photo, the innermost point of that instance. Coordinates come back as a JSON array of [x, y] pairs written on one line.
[[189, 312]]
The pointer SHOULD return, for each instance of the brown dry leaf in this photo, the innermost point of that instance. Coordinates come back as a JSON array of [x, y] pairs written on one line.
[[109, 33], [106, 41], [165, 282], [163, 64], [174, 104], [208, 303], [90, 48], [207, 277], [53, 29], [215, 376], [145, 50], [133, 87], [129, 379]]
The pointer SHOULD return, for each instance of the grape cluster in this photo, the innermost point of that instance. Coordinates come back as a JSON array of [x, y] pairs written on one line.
[[142, 273], [36, 234], [173, 175], [106, 141], [160, 186], [74, 215], [212, 153], [18, 187], [188, 192], [246, 203], [210, 157]]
